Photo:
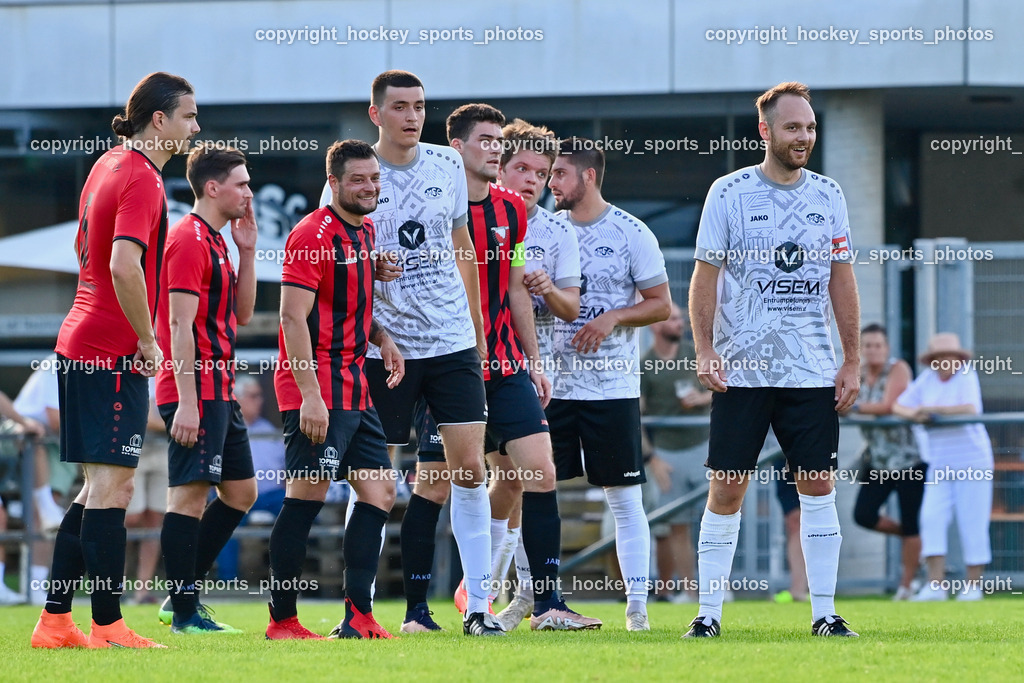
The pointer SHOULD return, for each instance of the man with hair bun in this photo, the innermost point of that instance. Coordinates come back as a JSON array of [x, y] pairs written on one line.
[[106, 351]]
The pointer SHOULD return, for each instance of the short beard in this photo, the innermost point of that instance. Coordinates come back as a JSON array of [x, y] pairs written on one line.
[[569, 202], [356, 209]]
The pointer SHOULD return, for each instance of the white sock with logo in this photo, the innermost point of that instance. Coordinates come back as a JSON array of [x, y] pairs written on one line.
[[499, 528], [471, 515], [632, 542], [715, 549], [523, 573], [820, 540]]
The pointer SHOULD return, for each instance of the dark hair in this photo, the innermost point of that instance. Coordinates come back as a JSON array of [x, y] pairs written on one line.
[[769, 99], [521, 135], [461, 121], [209, 162], [340, 152], [583, 153], [874, 327], [158, 91], [394, 78]]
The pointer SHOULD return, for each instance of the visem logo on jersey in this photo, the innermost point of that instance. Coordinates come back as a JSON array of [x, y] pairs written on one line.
[[433, 192], [133, 447], [412, 234], [789, 257], [789, 286]]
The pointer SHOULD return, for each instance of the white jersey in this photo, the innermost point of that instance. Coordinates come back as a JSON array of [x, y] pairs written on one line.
[[426, 310], [38, 393], [619, 256], [550, 244], [775, 245]]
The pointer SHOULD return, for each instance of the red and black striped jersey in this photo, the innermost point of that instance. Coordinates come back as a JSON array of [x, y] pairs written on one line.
[[197, 262], [123, 198], [497, 226], [334, 260]]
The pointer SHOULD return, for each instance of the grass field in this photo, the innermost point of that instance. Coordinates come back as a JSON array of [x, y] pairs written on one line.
[[760, 641]]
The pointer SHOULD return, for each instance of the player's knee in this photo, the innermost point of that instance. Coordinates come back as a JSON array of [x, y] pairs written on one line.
[[240, 495], [435, 491]]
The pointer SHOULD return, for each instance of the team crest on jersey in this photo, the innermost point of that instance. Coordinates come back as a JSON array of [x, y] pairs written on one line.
[[501, 233], [604, 252], [433, 192], [815, 219], [789, 257], [412, 235]]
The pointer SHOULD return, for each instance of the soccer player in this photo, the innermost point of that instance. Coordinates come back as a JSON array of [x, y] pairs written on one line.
[[432, 311], [597, 393], [209, 446], [773, 249], [106, 350], [552, 267], [517, 388], [331, 428]]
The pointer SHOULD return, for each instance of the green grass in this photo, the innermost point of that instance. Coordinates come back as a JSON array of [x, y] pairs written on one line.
[[760, 641]]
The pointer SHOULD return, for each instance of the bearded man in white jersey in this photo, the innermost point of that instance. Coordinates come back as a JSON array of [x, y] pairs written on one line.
[[432, 312], [773, 260], [596, 392]]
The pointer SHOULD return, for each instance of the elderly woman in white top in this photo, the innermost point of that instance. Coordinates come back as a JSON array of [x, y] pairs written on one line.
[[960, 465]]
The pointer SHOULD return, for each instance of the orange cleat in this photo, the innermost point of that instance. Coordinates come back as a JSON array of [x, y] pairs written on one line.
[[118, 635], [359, 625], [289, 629], [462, 599], [57, 630]]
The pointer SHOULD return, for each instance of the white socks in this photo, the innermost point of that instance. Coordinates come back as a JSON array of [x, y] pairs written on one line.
[[632, 542], [820, 539], [523, 571], [503, 545], [715, 550], [471, 526]]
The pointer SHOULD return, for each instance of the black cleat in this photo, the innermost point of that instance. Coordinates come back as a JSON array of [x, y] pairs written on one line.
[[482, 624], [703, 627], [834, 625]]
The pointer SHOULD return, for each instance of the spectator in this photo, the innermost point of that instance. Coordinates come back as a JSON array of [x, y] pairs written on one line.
[[268, 463], [669, 387], [891, 460], [149, 502], [960, 464], [37, 402], [7, 596], [789, 499]]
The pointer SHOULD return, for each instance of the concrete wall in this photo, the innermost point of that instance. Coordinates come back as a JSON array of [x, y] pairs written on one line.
[[81, 53]]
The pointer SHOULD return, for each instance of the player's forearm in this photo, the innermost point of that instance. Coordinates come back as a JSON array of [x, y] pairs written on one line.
[[842, 289], [183, 361], [130, 287], [648, 311], [702, 304], [522, 319], [245, 293], [299, 348], [564, 304], [471, 281], [378, 335]]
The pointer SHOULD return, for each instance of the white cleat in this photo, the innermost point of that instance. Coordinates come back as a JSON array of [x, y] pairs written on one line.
[[637, 621], [513, 615]]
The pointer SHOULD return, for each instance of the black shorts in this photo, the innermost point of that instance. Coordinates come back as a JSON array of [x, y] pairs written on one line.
[[431, 448], [453, 386], [876, 488], [103, 413], [805, 422], [220, 454], [609, 433], [513, 411], [355, 441]]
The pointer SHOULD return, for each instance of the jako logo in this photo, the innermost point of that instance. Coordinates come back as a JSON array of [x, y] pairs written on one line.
[[433, 192], [412, 234], [815, 219], [758, 217], [789, 257], [604, 252]]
